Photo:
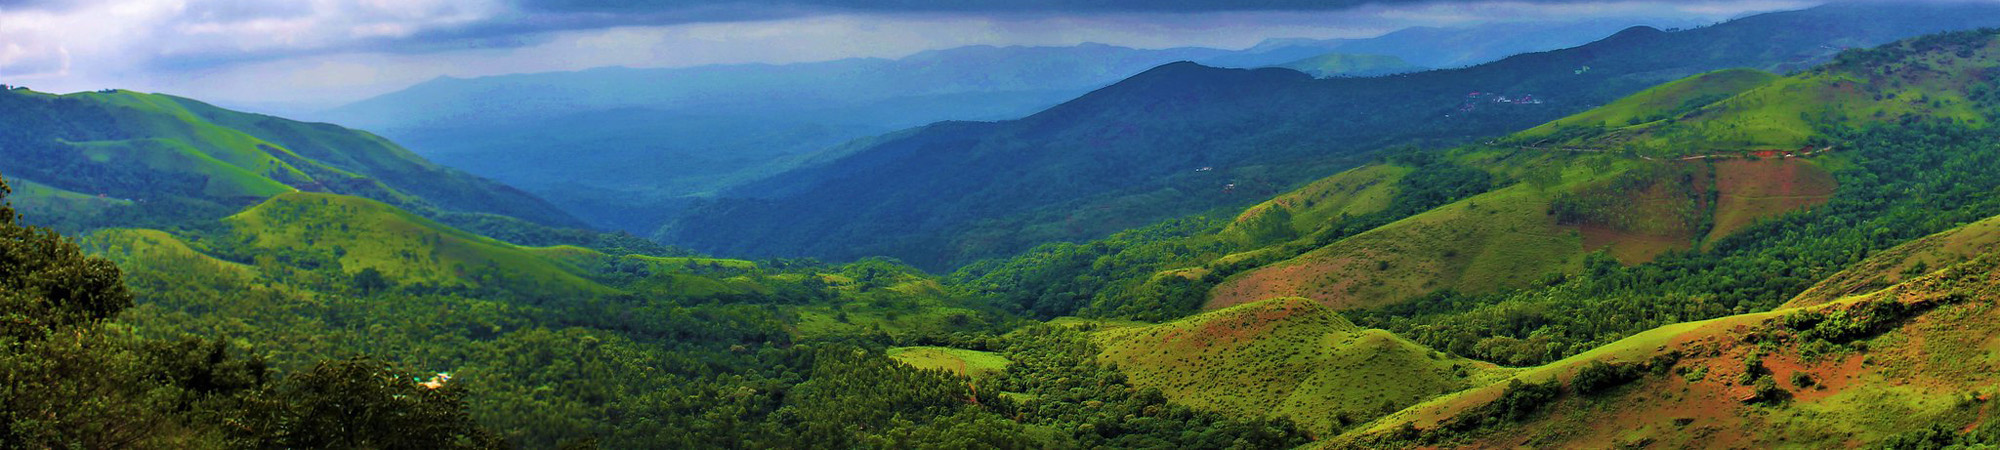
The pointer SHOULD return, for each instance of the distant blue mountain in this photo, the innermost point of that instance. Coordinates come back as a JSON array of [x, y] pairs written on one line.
[[626, 148]]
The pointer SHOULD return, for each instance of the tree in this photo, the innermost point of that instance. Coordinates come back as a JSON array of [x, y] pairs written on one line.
[[46, 280], [370, 281], [365, 403]]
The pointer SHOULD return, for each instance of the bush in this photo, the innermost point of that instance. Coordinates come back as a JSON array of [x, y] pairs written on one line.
[[1598, 377]]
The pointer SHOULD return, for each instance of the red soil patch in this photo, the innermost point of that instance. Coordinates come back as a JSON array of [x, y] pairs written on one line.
[[1311, 276], [1245, 326], [1628, 247], [1647, 223], [1753, 190]]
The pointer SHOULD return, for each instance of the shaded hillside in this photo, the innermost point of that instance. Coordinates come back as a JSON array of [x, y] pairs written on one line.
[[1351, 65], [1133, 153], [660, 137], [1444, 47], [175, 157]]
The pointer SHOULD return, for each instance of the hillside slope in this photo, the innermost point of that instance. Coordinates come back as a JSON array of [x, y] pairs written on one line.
[[1286, 357], [1351, 65], [1678, 167], [1895, 362], [1133, 153], [158, 149]]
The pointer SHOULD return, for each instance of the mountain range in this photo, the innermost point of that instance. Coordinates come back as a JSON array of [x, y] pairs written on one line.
[[657, 139], [1747, 237], [1184, 139]]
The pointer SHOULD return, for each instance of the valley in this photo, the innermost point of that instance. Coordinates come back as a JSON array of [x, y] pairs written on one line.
[[1740, 235]]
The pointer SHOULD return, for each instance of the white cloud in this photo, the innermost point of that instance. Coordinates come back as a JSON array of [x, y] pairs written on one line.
[[124, 42], [318, 52]]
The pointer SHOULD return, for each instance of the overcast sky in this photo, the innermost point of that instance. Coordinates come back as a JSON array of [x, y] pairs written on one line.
[[292, 54]]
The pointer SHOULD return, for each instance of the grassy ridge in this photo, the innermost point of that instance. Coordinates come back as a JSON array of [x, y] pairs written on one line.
[[1490, 241], [1915, 78], [1286, 357], [1905, 262], [1841, 372], [1667, 169], [169, 149], [1661, 102], [365, 234], [33, 198]]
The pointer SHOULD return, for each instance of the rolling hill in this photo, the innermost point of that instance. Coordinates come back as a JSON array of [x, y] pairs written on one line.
[[1910, 361], [1286, 357], [1507, 236], [305, 239], [564, 342], [175, 157], [1685, 184], [1134, 153]]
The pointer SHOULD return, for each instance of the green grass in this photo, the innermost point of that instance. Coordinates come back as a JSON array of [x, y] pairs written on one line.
[[1499, 239], [1910, 260], [35, 200], [132, 248], [309, 243], [1917, 374], [154, 143], [174, 156], [1286, 357], [1661, 102], [369, 234], [1355, 192], [971, 363]]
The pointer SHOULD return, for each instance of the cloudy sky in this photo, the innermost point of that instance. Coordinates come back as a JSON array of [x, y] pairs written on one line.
[[302, 54]]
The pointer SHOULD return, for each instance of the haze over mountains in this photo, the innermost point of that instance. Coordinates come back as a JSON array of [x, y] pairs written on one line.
[[628, 148], [1134, 153]]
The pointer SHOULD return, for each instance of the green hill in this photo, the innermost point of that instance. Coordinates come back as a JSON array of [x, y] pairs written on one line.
[[364, 234], [1924, 77], [1662, 102], [1521, 252], [1672, 178], [1905, 262], [564, 342], [1910, 361], [1351, 65], [1286, 357], [179, 156]]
